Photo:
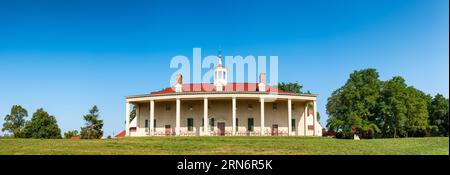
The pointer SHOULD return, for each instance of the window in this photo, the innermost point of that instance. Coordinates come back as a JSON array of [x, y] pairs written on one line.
[[292, 107], [154, 125], [211, 124], [237, 124], [250, 124], [167, 107], [250, 107], [274, 106], [146, 124], [293, 124], [190, 123]]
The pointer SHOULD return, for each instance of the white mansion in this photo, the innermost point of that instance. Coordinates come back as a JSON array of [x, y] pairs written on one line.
[[222, 109]]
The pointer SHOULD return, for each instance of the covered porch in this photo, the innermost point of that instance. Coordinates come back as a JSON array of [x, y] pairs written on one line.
[[224, 115]]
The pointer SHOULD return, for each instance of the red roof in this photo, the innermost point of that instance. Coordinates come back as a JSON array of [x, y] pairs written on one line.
[[121, 134], [231, 87], [75, 138]]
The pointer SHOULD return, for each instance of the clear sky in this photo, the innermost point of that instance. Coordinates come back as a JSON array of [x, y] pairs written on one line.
[[67, 56]]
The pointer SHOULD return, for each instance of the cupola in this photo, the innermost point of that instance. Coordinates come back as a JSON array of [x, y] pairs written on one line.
[[220, 74]]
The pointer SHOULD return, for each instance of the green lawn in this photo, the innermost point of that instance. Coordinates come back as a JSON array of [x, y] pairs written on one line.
[[226, 145]]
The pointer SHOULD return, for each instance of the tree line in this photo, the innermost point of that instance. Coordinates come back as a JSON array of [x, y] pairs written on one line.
[[370, 107], [44, 126]]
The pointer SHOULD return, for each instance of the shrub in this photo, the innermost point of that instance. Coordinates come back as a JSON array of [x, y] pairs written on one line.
[[42, 126], [344, 135], [329, 134]]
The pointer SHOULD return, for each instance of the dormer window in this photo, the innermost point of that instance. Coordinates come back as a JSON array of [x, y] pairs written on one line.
[[178, 89], [262, 82], [179, 86], [219, 87]]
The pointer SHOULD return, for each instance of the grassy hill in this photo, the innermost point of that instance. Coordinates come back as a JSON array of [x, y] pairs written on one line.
[[226, 145]]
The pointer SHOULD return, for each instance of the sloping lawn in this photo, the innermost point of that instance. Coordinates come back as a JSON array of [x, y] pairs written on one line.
[[226, 145]]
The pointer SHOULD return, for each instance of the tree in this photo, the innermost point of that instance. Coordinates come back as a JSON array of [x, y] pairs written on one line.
[[93, 128], [354, 105], [290, 87], [42, 125], [403, 110], [15, 121], [439, 113], [417, 116], [70, 134], [392, 107]]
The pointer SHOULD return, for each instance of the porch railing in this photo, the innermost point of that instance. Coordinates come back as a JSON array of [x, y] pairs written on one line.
[[227, 133]]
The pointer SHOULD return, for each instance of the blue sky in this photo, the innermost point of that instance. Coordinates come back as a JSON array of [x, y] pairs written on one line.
[[66, 56]]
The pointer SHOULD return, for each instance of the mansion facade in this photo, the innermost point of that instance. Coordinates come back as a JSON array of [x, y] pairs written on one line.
[[222, 109]]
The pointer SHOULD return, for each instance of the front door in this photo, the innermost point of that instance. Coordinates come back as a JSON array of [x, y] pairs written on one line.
[[274, 130], [221, 128], [168, 130]]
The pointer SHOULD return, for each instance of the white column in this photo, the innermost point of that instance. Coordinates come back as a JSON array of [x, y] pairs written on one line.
[[305, 115], [233, 108], [289, 116], [152, 117], [262, 128], [177, 125], [137, 118], [205, 117], [315, 117], [127, 119]]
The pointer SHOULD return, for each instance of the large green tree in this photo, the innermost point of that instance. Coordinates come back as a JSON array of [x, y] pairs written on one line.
[[402, 109], [15, 121], [93, 128], [390, 107], [439, 113], [42, 125], [416, 124], [354, 104]]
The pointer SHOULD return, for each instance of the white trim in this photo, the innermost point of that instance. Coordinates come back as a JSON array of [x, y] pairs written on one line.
[[262, 127], [223, 96], [233, 108], [127, 118], [289, 116], [178, 114]]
